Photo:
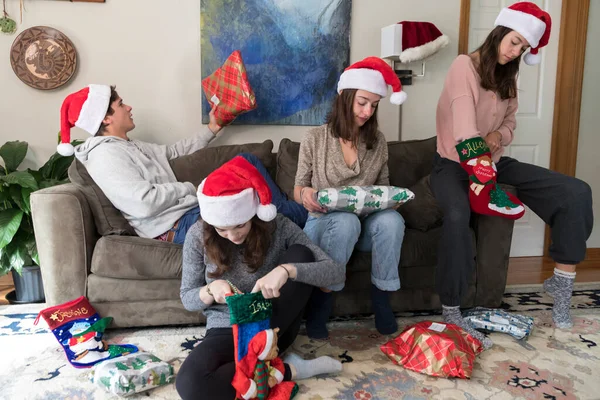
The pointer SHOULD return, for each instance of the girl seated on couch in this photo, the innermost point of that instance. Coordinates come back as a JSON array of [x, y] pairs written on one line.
[[350, 150]]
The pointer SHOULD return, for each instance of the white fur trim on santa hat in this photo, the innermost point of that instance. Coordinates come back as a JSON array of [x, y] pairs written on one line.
[[529, 26], [231, 210], [94, 109], [252, 391], [364, 79], [65, 149], [425, 50], [266, 212], [268, 344]]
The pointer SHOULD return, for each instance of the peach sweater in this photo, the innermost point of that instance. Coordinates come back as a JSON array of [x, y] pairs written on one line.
[[466, 110]]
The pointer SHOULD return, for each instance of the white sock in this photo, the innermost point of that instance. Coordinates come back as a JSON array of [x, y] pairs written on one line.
[[304, 369]]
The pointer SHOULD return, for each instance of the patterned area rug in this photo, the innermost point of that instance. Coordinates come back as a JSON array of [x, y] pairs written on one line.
[[553, 364]]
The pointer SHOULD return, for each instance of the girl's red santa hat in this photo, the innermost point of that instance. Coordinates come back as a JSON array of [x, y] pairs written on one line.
[[84, 109], [234, 193], [373, 75], [533, 23]]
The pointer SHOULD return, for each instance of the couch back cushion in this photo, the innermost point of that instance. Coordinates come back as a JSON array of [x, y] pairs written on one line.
[[408, 162], [109, 220], [195, 167], [411, 160]]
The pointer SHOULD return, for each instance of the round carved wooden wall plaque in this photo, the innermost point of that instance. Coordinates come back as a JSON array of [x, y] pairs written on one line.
[[43, 58]]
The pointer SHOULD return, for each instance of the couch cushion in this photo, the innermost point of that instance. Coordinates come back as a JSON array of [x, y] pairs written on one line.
[[128, 257], [287, 165], [109, 220], [423, 212], [410, 161], [195, 167], [102, 289]]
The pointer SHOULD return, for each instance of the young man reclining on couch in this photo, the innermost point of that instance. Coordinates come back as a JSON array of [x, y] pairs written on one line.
[[136, 176]]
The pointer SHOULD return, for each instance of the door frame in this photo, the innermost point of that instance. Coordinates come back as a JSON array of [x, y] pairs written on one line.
[[569, 85]]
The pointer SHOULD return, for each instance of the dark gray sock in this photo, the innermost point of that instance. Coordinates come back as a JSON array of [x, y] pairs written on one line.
[[452, 315], [560, 287]]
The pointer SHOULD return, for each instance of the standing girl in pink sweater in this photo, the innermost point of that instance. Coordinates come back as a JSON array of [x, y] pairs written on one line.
[[475, 120]]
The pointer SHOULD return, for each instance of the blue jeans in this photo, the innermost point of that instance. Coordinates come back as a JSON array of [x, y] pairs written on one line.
[[381, 233], [294, 211], [185, 222]]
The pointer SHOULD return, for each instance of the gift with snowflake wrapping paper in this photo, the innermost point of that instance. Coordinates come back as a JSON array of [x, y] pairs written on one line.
[[436, 349], [363, 200], [228, 88], [518, 326], [133, 373]]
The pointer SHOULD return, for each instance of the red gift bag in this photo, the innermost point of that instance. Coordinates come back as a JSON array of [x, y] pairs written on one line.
[[435, 349], [228, 88]]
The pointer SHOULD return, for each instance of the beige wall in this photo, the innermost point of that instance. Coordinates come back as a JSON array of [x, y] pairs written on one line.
[[588, 162], [150, 50]]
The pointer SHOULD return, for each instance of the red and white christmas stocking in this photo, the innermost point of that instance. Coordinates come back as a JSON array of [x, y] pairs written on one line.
[[79, 329], [485, 195]]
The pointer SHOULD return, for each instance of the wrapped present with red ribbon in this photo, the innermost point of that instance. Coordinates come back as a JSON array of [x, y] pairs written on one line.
[[436, 349], [228, 88]]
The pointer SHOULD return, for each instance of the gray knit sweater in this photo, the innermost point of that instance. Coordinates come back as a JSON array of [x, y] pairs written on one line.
[[323, 272]]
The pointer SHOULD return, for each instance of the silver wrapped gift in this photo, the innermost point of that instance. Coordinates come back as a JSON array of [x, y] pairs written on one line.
[[132, 374], [518, 326]]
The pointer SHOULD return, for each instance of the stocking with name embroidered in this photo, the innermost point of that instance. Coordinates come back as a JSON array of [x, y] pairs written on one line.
[[485, 195], [259, 371], [80, 330]]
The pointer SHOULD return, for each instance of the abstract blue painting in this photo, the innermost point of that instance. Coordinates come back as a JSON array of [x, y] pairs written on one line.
[[294, 52]]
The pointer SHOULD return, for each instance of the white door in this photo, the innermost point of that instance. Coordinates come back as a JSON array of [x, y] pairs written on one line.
[[533, 135]]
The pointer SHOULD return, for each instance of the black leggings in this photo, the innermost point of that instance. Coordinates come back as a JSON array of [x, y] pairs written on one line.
[[563, 202], [208, 371]]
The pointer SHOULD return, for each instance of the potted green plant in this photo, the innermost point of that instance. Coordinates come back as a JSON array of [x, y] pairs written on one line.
[[18, 250]]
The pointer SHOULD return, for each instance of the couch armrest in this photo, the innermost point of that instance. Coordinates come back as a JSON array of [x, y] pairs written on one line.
[[65, 235], [493, 236]]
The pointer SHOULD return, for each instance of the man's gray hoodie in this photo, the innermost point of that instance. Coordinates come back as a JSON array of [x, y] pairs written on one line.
[[137, 178]]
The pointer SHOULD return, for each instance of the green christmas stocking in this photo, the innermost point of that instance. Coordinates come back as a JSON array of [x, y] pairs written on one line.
[[258, 369], [485, 195], [79, 329]]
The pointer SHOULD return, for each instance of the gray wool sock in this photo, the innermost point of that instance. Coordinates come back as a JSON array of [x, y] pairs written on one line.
[[304, 369], [452, 315], [560, 287]]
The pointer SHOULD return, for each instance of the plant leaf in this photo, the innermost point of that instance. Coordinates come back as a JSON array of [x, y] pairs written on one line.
[[22, 178], [49, 183], [16, 194], [4, 263], [26, 200], [13, 153], [2, 172], [10, 220], [18, 257]]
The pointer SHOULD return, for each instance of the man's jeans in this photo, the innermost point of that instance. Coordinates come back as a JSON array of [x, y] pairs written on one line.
[[381, 233]]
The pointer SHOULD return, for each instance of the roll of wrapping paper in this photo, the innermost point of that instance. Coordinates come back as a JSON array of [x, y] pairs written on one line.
[[518, 326], [436, 349]]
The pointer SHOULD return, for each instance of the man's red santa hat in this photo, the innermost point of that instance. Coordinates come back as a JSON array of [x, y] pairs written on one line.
[[84, 109], [234, 193], [373, 75], [531, 22]]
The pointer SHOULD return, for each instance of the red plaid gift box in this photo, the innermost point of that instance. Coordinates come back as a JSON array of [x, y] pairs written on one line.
[[435, 349], [229, 89]]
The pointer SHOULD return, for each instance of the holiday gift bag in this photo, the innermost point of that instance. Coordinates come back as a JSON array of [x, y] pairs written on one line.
[[132, 373], [363, 200], [79, 329], [518, 326], [228, 88], [435, 349]]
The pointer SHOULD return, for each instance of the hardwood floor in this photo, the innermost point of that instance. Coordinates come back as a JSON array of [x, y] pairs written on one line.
[[521, 271]]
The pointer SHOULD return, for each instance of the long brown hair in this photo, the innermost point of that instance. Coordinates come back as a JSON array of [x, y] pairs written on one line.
[[496, 77], [341, 122], [257, 243]]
